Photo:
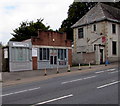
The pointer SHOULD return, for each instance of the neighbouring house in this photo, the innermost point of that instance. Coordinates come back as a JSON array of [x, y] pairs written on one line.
[[49, 49], [96, 35]]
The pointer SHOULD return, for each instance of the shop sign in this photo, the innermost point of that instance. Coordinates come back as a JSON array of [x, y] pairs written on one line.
[[20, 44]]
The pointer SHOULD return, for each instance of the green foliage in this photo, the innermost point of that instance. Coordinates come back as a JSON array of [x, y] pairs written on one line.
[[76, 11], [28, 29]]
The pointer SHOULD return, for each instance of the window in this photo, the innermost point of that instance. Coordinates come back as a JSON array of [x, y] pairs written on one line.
[[62, 54], [65, 53], [114, 48], [113, 28], [94, 27], [59, 53], [80, 33], [44, 54], [40, 51], [20, 54]]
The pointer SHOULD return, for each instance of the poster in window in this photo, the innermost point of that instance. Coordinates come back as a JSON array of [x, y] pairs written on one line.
[[34, 52]]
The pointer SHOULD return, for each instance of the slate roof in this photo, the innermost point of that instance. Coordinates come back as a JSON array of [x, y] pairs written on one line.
[[98, 13]]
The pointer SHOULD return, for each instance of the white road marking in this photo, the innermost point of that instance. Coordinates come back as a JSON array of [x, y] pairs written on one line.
[[99, 72], [110, 70], [78, 79], [89, 77], [20, 91], [108, 84], [63, 97], [114, 72]]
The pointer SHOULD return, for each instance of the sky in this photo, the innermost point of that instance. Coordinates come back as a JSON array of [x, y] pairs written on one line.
[[13, 12]]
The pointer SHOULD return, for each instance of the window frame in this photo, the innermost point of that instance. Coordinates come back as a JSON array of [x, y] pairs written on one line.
[[44, 54]]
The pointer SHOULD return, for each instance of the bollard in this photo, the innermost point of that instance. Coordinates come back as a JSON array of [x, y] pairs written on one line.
[[89, 65], [68, 68], [79, 67], [57, 71], [45, 72]]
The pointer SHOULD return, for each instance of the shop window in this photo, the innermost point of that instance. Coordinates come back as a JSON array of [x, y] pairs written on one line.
[[59, 53], [44, 53], [80, 33], [65, 53], [20, 54], [62, 54], [40, 53], [114, 48]]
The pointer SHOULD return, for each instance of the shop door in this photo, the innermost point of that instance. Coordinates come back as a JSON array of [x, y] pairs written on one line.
[[53, 60]]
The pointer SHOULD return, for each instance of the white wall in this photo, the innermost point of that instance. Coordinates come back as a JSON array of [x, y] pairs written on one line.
[[112, 37]]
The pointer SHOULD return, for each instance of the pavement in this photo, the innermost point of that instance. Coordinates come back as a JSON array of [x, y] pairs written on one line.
[[13, 78]]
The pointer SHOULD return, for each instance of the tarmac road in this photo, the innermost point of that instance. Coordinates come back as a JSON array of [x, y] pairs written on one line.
[[92, 87]]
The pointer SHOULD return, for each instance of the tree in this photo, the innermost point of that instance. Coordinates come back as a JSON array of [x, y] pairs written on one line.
[[28, 29], [76, 11]]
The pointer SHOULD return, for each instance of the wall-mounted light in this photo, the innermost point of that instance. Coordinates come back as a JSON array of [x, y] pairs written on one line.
[[53, 40]]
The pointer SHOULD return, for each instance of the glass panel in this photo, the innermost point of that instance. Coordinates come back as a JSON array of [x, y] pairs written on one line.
[[65, 53], [58, 53], [51, 59], [40, 53], [47, 54], [44, 53], [55, 59], [62, 54]]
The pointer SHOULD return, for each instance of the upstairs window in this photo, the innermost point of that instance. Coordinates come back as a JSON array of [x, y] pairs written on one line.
[[94, 27], [80, 33], [114, 48], [113, 28]]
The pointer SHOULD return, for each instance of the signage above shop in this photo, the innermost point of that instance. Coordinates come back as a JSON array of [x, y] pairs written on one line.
[[20, 44]]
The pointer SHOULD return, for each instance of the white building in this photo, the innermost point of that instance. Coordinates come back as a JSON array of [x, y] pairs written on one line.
[[96, 35]]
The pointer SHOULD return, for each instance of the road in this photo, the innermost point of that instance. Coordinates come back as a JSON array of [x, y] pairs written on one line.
[[94, 87]]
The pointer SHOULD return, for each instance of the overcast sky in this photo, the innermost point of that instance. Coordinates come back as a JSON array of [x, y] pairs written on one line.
[[13, 12]]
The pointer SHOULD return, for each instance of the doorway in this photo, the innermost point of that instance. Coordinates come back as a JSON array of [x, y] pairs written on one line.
[[101, 56], [53, 60]]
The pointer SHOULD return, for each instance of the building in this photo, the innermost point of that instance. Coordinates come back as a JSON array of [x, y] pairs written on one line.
[[96, 35], [47, 50], [51, 50]]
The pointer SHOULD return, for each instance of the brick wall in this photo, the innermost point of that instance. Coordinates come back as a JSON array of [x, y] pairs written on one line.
[[51, 38], [46, 38], [34, 60]]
